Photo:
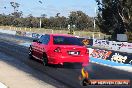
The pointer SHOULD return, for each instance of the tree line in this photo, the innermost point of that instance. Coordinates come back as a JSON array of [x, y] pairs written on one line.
[[113, 17], [80, 20]]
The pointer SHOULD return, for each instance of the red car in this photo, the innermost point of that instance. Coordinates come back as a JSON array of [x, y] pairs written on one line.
[[59, 49]]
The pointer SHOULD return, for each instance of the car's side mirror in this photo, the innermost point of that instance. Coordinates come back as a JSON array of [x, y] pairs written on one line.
[[35, 40]]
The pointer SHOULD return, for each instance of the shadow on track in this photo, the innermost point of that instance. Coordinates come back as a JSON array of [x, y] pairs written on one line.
[[65, 65]]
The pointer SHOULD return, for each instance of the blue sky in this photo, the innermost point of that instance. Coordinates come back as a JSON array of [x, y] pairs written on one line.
[[50, 7]]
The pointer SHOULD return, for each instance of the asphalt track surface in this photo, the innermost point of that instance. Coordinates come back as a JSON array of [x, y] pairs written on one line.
[[68, 74]]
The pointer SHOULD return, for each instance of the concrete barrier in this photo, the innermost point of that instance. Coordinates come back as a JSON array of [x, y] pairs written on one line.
[[8, 31]]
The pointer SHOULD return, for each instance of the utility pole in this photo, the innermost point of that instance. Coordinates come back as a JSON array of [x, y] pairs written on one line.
[[40, 22], [94, 19], [94, 23]]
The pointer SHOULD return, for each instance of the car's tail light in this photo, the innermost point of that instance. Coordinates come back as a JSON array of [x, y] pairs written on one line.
[[87, 51], [58, 50]]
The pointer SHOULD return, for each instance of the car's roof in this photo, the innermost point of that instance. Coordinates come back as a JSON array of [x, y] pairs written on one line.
[[67, 35]]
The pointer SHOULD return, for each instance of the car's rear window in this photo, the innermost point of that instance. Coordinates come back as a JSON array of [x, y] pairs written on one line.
[[64, 40]]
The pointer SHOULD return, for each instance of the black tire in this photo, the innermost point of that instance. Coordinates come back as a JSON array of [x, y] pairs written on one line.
[[45, 60], [30, 53]]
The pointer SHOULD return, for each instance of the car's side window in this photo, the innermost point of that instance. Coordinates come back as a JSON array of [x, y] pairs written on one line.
[[44, 39], [41, 38]]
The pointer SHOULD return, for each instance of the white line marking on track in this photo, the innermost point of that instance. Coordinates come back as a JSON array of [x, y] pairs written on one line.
[[2, 85]]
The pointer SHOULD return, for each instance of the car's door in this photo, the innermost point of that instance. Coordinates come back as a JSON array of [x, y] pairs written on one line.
[[44, 40], [36, 47]]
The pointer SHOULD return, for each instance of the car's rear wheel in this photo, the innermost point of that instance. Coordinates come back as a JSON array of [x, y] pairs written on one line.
[[45, 60], [30, 53]]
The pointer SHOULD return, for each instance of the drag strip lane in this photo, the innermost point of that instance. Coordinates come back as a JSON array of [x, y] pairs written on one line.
[[58, 74], [67, 76]]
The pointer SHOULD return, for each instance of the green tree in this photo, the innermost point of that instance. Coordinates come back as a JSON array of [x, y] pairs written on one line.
[[17, 14], [80, 20], [115, 16], [15, 5], [43, 15]]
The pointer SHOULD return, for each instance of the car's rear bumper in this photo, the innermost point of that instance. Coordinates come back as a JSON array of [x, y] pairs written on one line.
[[84, 60]]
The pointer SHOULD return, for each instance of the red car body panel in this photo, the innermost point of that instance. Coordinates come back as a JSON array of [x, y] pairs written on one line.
[[62, 54]]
